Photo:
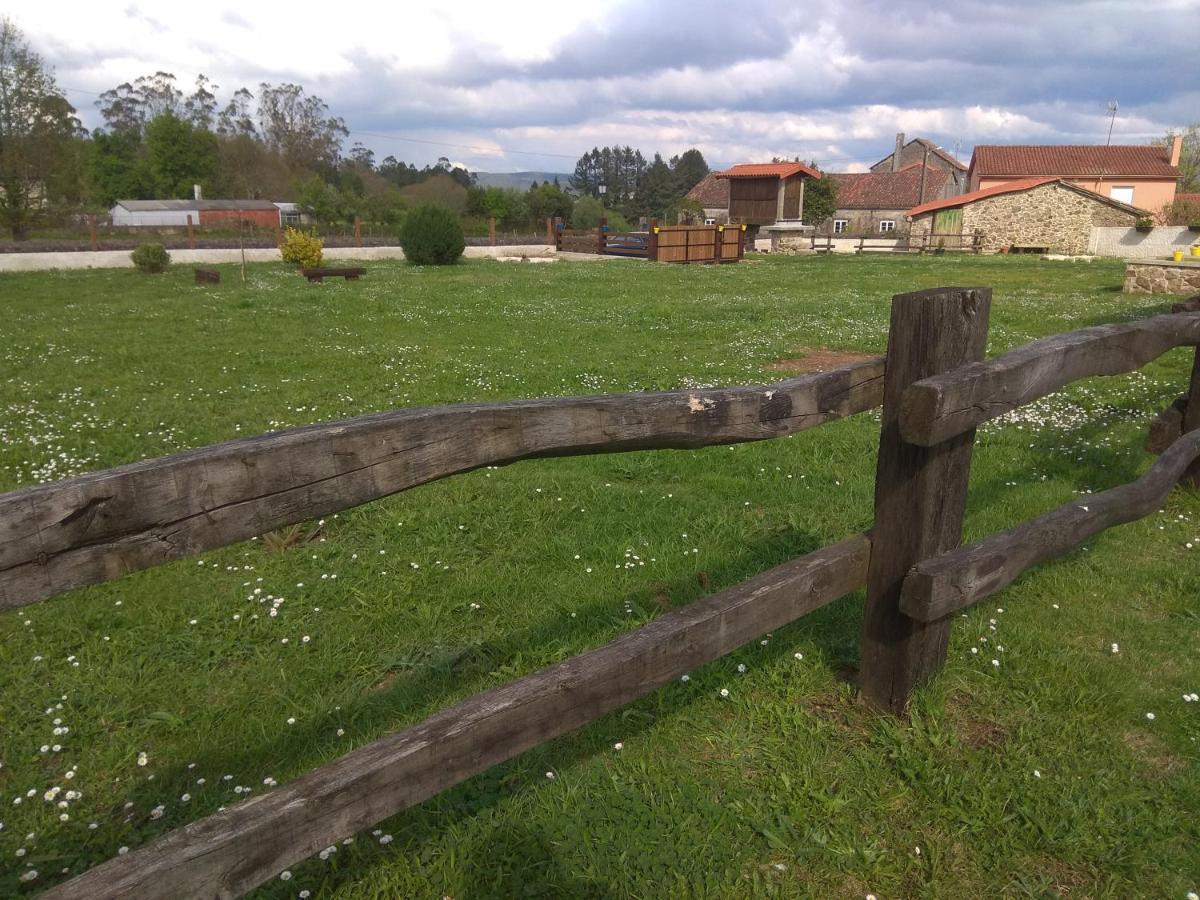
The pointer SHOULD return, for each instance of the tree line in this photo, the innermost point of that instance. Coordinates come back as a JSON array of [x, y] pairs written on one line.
[[158, 140]]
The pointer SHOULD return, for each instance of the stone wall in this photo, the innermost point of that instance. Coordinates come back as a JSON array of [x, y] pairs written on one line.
[[866, 221], [1051, 216], [1130, 243], [1163, 277]]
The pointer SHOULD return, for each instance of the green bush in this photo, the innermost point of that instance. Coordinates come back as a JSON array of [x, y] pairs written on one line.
[[301, 248], [588, 211], [432, 236], [151, 258]]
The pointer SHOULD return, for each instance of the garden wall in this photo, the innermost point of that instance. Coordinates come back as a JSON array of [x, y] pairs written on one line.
[[119, 259], [1130, 243]]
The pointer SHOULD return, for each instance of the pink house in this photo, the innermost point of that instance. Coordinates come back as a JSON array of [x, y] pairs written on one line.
[[1141, 176]]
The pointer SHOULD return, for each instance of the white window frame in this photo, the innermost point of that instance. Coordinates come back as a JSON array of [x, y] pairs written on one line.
[[840, 226], [1112, 193], [710, 221], [887, 225]]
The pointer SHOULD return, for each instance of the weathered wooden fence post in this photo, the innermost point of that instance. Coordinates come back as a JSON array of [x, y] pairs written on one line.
[[920, 492], [92, 232], [492, 231], [1191, 412], [652, 244], [549, 230], [191, 234], [357, 231], [600, 242]]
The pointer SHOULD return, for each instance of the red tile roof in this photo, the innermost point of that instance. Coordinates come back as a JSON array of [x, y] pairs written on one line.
[[712, 192], [769, 170], [1187, 198], [888, 190], [1072, 161], [1011, 187]]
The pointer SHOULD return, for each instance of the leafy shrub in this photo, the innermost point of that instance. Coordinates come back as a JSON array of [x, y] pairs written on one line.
[[588, 211], [432, 236], [152, 259], [301, 248]]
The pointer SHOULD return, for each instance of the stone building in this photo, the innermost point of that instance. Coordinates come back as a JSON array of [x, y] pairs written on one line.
[[876, 203], [922, 152], [1047, 214]]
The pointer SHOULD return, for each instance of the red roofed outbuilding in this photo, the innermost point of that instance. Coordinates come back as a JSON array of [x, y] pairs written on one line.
[[1047, 214], [766, 193]]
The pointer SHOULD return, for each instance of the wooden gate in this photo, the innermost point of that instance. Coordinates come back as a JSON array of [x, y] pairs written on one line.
[[697, 243]]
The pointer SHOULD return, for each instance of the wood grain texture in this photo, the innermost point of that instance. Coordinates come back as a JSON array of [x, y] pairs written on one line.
[[100, 526], [952, 581], [940, 407], [1191, 418], [229, 853], [920, 492]]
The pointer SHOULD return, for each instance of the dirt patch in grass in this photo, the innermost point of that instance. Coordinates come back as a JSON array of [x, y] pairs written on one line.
[[385, 683], [821, 359], [1152, 753], [1061, 877], [976, 732]]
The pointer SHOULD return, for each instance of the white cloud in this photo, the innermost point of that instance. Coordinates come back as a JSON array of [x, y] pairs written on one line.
[[827, 80]]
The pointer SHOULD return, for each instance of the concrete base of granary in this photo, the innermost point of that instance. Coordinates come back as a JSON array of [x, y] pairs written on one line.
[[1162, 276]]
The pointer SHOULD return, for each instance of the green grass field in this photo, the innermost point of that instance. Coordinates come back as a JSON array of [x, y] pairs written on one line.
[[1032, 766]]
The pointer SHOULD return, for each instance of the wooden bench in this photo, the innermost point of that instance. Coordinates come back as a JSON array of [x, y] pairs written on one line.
[[889, 245], [207, 276], [826, 247], [319, 275]]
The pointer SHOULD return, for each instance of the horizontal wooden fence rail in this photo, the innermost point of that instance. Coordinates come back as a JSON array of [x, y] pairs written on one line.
[[941, 407], [229, 853], [952, 581], [100, 526]]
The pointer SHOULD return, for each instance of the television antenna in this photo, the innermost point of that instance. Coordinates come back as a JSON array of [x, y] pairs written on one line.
[[1113, 106]]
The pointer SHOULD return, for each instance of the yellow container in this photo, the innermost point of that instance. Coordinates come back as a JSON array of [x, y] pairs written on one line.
[[1196, 250], [1178, 255]]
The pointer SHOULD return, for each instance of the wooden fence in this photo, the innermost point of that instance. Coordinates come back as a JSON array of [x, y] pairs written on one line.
[[935, 389], [661, 243]]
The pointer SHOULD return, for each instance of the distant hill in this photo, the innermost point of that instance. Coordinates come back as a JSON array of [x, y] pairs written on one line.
[[520, 180]]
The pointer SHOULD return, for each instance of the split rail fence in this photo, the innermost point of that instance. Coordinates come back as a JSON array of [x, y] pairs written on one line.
[[661, 243], [934, 386]]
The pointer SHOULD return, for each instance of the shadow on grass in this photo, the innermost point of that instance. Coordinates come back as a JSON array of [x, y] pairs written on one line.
[[440, 676]]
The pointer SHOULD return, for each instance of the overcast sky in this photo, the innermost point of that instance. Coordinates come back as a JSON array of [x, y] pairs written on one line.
[[507, 86]]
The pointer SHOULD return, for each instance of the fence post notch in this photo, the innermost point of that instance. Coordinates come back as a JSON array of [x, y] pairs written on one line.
[[920, 492]]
